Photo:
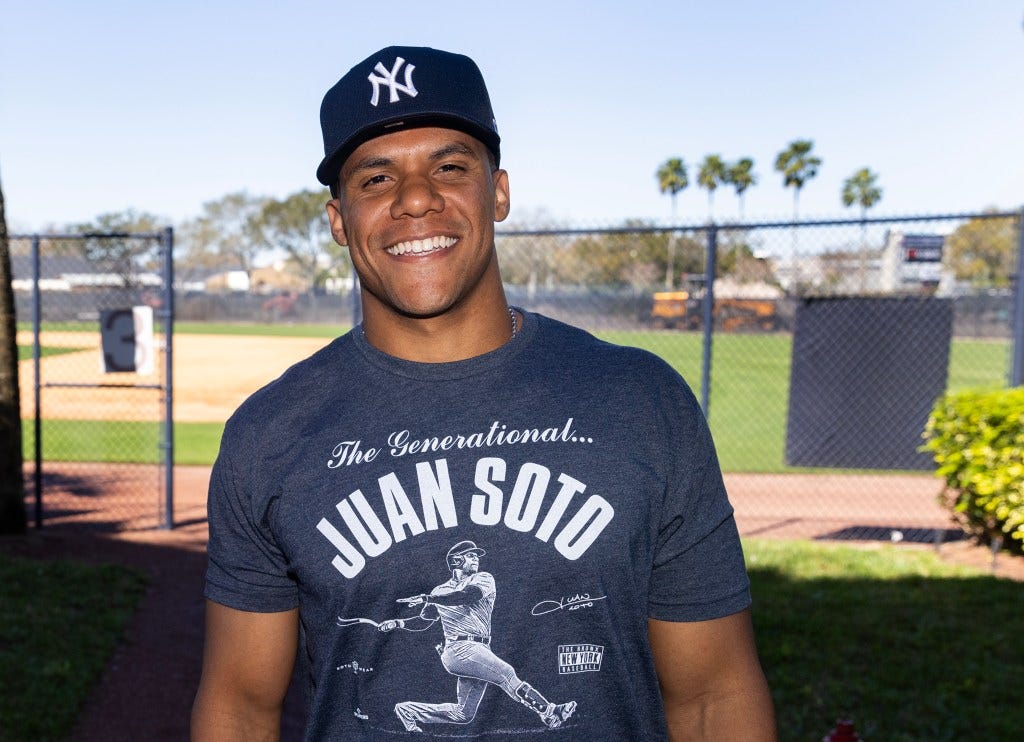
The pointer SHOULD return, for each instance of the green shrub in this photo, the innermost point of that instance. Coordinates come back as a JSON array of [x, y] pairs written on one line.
[[977, 439]]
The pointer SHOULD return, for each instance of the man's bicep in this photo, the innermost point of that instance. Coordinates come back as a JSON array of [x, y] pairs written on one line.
[[710, 674], [248, 660], [694, 654]]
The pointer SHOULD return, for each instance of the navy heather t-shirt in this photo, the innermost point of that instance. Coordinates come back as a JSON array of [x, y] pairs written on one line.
[[582, 472]]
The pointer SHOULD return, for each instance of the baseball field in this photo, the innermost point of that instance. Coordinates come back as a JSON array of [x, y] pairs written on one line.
[[115, 417]]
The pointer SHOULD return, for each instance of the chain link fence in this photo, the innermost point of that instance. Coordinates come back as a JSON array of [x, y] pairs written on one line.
[[94, 322], [816, 349]]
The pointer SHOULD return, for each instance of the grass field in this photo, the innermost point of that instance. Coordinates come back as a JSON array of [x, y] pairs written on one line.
[[908, 647], [25, 352], [59, 624], [125, 442], [749, 395], [750, 385]]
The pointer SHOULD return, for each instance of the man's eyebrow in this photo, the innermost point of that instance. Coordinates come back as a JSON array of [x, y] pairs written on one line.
[[455, 148], [373, 162]]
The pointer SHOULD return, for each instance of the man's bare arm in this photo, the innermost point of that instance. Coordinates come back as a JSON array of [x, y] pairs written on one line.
[[248, 660], [711, 680]]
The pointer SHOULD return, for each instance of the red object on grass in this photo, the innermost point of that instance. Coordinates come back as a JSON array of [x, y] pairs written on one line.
[[844, 732]]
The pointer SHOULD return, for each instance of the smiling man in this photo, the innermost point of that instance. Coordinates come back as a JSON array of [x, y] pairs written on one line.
[[417, 209], [586, 468]]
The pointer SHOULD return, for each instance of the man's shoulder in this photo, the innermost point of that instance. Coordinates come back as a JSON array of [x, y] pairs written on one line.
[[482, 579], [572, 345], [444, 588], [291, 391]]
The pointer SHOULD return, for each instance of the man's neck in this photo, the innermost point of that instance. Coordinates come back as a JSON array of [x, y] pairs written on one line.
[[456, 335]]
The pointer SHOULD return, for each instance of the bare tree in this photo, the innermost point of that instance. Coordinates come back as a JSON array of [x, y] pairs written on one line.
[[298, 225], [12, 492], [227, 234], [123, 254]]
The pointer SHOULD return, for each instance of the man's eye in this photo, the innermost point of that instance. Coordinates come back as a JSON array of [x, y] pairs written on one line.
[[375, 180], [451, 167]]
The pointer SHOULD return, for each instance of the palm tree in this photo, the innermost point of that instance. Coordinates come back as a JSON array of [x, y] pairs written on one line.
[[712, 174], [672, 179], [861, 189], [12, 504], [797, 165], [741, 176]]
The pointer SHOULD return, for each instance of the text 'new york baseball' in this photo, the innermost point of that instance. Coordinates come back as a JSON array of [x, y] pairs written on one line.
[[527, 505]]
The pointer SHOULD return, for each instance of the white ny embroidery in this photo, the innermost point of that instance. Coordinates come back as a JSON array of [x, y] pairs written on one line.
[[381, 76]]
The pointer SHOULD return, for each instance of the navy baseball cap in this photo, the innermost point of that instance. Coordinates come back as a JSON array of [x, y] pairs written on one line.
[[403, 87]]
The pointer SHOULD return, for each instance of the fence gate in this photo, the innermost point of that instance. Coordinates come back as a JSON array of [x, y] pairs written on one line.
[[97, 413]]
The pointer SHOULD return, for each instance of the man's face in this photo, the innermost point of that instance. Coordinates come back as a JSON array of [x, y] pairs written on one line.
[[417, 209], [470, 564]]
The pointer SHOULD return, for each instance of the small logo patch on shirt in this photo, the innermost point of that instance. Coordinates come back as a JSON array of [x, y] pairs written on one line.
[[575, 658]]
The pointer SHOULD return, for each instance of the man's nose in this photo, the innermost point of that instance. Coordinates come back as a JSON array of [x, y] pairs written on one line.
[[416, 196]]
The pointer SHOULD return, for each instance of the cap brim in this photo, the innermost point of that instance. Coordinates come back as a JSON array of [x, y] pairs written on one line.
[[330, 168]]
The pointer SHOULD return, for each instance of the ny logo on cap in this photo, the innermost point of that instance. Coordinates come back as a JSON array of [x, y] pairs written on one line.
[[381, 76]]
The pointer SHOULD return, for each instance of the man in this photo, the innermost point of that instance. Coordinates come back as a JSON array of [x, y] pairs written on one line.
[[464, 604], [587, 469]]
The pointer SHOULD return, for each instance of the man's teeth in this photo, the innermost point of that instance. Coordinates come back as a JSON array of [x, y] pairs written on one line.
[[418, 247]]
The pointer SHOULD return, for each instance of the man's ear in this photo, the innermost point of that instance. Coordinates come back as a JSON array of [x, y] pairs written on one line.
[[502, 205], [337, 223]]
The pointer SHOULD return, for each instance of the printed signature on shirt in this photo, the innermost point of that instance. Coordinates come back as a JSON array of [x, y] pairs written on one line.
[[580, 600]]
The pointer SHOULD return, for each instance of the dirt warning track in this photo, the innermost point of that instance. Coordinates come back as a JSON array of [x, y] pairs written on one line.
[[213, 374]]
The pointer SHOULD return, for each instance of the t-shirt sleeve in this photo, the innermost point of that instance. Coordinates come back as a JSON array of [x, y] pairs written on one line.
[[246, 569], [698, 572]]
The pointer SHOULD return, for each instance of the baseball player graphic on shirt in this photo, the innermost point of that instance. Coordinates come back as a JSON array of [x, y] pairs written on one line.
[[463, 604]]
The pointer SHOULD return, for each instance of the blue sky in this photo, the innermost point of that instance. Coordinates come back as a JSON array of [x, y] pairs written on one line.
[[162, 106]]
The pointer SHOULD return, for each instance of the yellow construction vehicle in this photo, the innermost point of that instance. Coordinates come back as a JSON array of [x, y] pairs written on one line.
[[684, 308], [676, 309]]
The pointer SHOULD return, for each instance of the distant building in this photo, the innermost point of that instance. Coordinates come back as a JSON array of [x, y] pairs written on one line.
[[842, 272], [907, 263], [227, 281], [913, 263], [70, 273]]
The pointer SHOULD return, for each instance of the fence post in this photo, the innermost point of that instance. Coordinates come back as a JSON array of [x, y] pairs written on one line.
[[168, 426], [357, 302], [709, 318], [1017, 373], [37, 419]]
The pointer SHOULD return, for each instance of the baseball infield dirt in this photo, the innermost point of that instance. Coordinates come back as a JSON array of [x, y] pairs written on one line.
[[213, 374]]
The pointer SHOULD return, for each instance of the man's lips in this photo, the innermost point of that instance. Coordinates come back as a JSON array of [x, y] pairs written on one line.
[[422, 247]]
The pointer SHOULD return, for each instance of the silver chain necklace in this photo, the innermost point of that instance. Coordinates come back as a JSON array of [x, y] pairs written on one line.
[[514, 321]]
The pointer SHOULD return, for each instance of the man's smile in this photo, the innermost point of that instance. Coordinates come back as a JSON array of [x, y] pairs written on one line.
[[421, 247]]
